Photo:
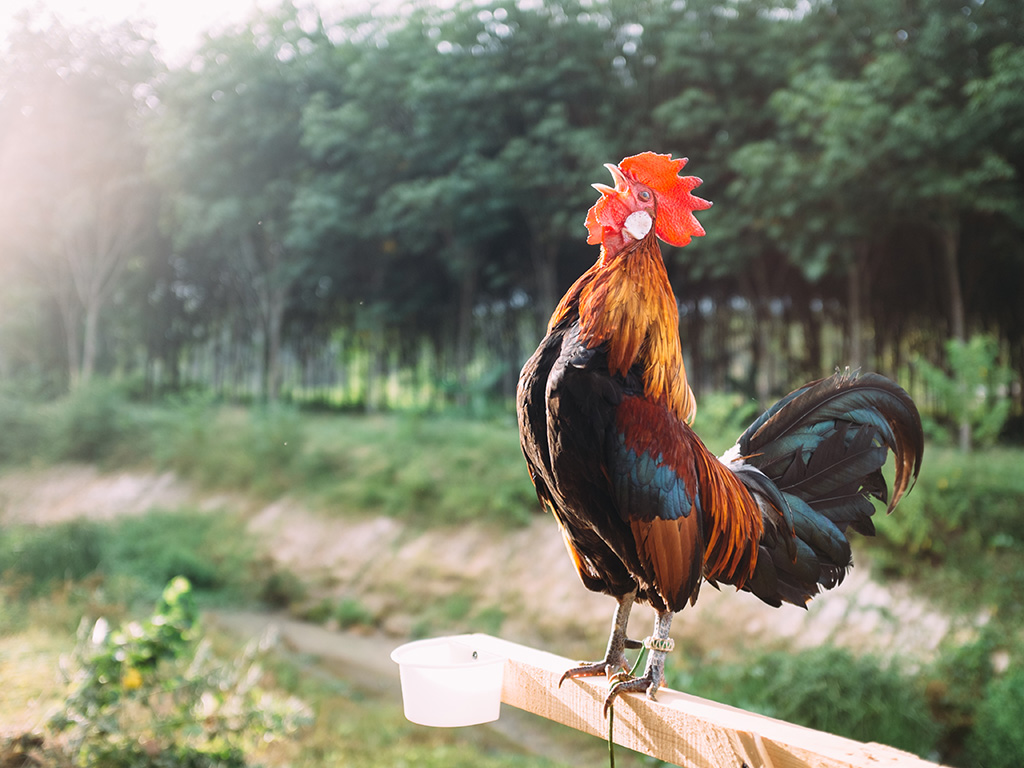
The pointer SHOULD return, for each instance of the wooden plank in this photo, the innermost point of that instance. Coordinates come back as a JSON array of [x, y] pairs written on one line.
[[678, 728]]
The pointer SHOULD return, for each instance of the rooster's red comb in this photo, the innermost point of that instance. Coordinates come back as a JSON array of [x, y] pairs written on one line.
[[675, 223]]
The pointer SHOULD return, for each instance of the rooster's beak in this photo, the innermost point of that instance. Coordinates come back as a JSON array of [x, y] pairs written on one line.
[[620, 181]]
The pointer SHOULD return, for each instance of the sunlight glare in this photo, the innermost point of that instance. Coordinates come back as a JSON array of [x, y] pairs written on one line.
[[178, 25]]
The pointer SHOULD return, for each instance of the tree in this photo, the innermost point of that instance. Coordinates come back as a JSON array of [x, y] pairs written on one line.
[[228, 153], [74, 192], [403, 193], [480, 126], [881, 156], [706, 99]]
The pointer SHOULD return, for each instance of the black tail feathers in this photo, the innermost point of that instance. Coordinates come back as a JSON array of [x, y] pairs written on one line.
[[814, 460]]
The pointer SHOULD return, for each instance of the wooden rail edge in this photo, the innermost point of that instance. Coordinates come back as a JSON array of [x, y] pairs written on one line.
[[678, 728]]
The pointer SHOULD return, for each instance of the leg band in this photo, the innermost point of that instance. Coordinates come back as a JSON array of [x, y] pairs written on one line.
[[665, 645]]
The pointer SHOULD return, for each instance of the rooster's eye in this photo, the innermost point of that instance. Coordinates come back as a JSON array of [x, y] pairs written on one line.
[[644, 195]]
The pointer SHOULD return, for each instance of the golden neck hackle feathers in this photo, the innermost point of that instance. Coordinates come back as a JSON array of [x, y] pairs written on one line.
[[626, 300]]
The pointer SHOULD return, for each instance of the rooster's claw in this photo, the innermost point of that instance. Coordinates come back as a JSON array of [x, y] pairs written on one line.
[[606, 667], [628, 684]]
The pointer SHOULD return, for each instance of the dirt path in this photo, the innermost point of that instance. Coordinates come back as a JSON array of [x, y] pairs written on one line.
[[522, 575]]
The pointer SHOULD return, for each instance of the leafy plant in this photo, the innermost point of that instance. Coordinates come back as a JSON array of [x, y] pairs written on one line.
[[22, 429], [90, 424], [824, 688], [151, 694], [231, 447], [957, 685], [281, 588], [211, 550], [721, 418], [973, 397], [38, 557], [352, 612], [963, 521], [997, 740]]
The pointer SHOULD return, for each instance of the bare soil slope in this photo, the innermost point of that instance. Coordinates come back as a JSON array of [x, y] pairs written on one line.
[[524, 574]]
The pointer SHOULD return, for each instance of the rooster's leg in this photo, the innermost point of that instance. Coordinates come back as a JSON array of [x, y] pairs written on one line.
[[615, 657], [659, 645]]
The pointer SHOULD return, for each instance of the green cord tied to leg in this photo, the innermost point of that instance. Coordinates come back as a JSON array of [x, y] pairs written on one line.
[[648, 644]]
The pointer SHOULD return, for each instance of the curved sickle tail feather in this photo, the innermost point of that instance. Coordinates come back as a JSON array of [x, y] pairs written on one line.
[[814, 460]]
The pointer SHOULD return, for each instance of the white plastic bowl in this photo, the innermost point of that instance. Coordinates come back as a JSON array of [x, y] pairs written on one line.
[[448, 682]]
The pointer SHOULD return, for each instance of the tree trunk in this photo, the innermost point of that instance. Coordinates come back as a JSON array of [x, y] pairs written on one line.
[[71, 319], [272, 355], [263, 285], [854, 308], [812, 337], [721, 349], [90, 342], [464, 330], [756, 287], [693, 343], [762, 352], [545, 268], [949, 236], [760, 339], [99, 226], [949, 242], [376, 367]]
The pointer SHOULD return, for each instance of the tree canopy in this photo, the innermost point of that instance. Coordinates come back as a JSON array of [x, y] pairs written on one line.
[[396, 200]]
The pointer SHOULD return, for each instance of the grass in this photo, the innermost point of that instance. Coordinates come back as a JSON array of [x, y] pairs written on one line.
[[357, 729], [133, 558], [353, 726], [824, 688], [428, 470], [959, 535], [28, 664]]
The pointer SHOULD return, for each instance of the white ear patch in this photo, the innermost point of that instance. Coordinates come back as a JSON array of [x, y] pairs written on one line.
[[638, 224]]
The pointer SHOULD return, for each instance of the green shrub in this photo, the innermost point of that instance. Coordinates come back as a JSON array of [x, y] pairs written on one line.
[[957, 683], [211, 549], [721, 418], [489, 619], [429, 470], [276, 435], [91, 423], [353, 613], [187, 431], [975, 393], [281, 588], [320, 612], [997, 739], [963, 514], [23, 431], [220, 447], [39, 557], [824, 688], [150, 695]]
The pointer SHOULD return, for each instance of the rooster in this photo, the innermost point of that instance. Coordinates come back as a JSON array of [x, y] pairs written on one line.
[[646, 511]]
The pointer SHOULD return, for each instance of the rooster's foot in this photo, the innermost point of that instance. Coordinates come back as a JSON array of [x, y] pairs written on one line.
[[606, 667], [611, 666], [623, 683], [615, 660]]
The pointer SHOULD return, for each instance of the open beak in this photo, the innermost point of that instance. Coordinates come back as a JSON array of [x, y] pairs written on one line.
[[620, 181]]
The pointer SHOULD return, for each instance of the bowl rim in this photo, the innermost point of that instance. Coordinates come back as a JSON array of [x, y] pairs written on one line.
[[483, 657]]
